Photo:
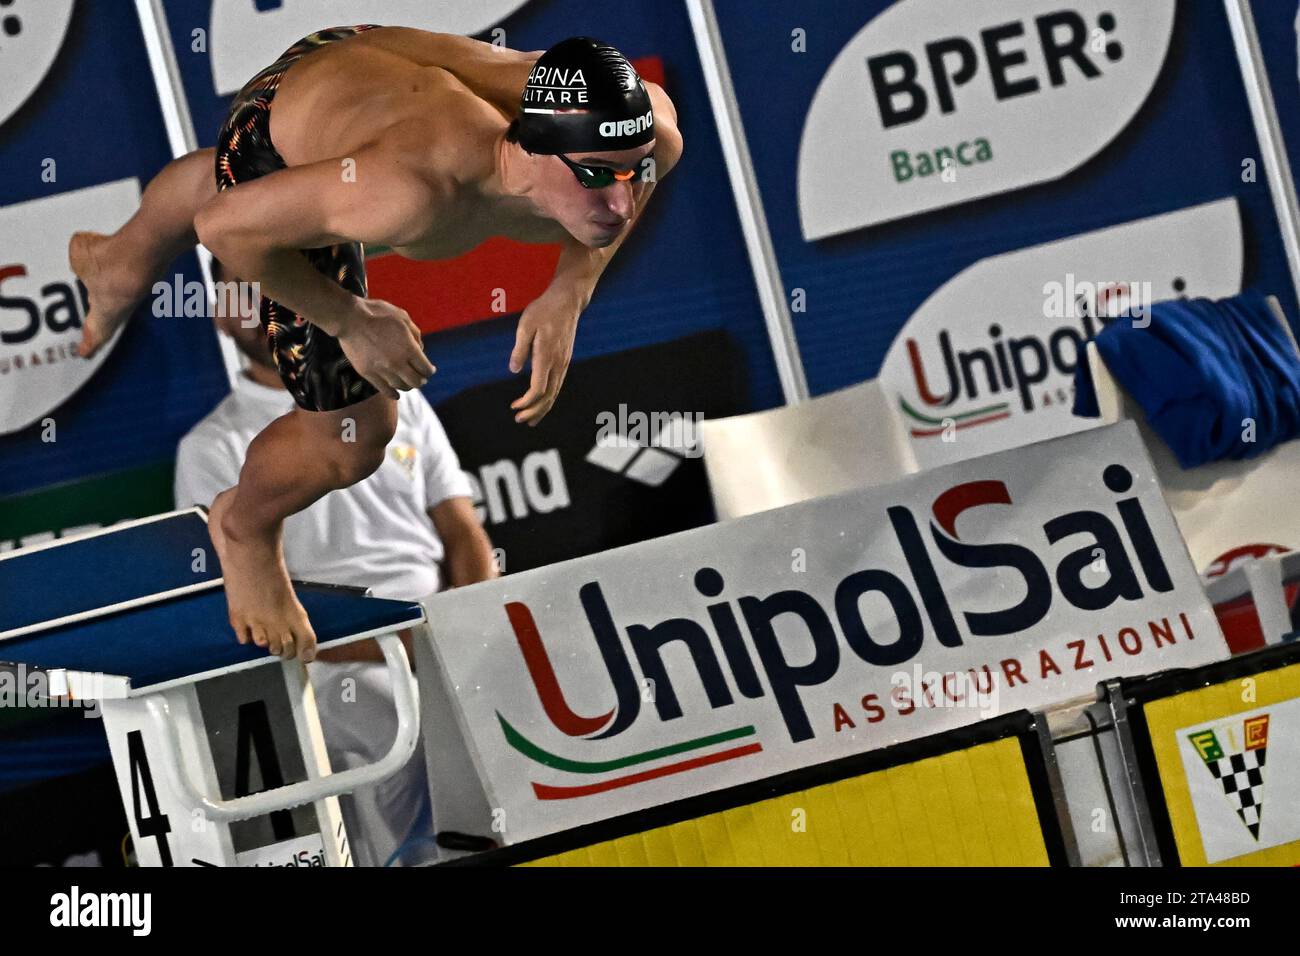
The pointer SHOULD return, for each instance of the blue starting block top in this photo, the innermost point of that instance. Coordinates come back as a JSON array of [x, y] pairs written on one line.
[[128, 601]]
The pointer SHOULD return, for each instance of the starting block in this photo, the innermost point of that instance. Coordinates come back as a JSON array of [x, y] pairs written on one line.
[[216, 745]]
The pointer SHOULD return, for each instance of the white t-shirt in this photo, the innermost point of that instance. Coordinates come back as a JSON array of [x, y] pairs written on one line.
[[375, 534]]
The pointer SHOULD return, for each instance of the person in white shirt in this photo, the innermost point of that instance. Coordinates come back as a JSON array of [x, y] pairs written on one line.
[[405, 532]]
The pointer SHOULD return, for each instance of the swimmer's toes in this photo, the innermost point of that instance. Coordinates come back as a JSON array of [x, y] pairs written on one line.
[[111, 292], [81, 255], [76, 251]]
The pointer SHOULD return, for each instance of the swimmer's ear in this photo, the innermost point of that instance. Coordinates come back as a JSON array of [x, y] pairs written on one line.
[[512, 135]]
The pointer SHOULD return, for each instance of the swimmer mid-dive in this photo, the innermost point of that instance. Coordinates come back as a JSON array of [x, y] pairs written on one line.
[[420, 142]]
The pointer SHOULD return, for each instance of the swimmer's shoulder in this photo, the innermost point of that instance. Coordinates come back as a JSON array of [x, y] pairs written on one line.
[[450, 135]]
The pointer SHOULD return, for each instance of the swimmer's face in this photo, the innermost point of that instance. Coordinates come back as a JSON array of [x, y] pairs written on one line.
[[594, 216]]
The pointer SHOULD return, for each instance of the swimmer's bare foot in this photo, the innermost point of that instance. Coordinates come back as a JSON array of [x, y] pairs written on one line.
[[259, 597], [113, 283]]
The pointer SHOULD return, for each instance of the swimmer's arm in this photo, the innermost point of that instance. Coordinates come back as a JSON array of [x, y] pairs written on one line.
[[468, 549], [256, 228], [494, 73], [548, 325]]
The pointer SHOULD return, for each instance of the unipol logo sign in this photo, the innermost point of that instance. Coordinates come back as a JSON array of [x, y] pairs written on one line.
[[756, 646], [247, 37], [31, 34], [42, 305], [987, 362], [936, 103]]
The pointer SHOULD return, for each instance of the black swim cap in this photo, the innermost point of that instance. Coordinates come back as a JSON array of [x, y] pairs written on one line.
[[583, 96]]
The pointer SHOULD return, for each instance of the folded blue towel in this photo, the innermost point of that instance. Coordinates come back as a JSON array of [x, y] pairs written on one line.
[[1201, 371]]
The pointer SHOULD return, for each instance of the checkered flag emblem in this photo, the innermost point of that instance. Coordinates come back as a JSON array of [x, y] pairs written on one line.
[[1242, 777], [1241, 774]]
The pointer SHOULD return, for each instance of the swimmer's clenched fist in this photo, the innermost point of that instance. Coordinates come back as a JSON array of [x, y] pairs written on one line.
[[384, 346]]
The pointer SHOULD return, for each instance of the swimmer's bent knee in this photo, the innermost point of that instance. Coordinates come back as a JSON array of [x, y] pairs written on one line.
[[356, 461]]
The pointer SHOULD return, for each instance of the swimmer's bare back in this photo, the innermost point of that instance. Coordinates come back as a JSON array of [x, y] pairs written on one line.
[[394, 137], [435, 100]]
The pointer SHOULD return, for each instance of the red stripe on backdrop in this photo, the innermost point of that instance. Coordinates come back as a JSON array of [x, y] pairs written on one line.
[[651, 68], [454, 292]]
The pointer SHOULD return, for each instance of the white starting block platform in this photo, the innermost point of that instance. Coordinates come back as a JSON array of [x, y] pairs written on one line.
[[216, 744]]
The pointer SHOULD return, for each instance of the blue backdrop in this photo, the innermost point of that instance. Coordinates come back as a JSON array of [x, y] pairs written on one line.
[[1275, 21], [1185, 146], [97, 115]]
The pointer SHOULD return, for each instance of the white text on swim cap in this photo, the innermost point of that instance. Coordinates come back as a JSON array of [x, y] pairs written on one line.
[[629, 127], [556, 76]]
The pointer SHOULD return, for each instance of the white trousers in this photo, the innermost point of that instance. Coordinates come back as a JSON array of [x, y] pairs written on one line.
[[355, 703]]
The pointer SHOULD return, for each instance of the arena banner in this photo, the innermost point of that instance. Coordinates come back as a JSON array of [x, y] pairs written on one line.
[[1228, 757], [902, 146], [662, 285], [615, 462], [730, 653], [987, 362]]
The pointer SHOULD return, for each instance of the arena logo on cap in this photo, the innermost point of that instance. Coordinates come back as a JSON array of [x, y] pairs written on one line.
[[933, 104], [247, 36], [31, 35], [987, 362], [630, 127], [42, 306]]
